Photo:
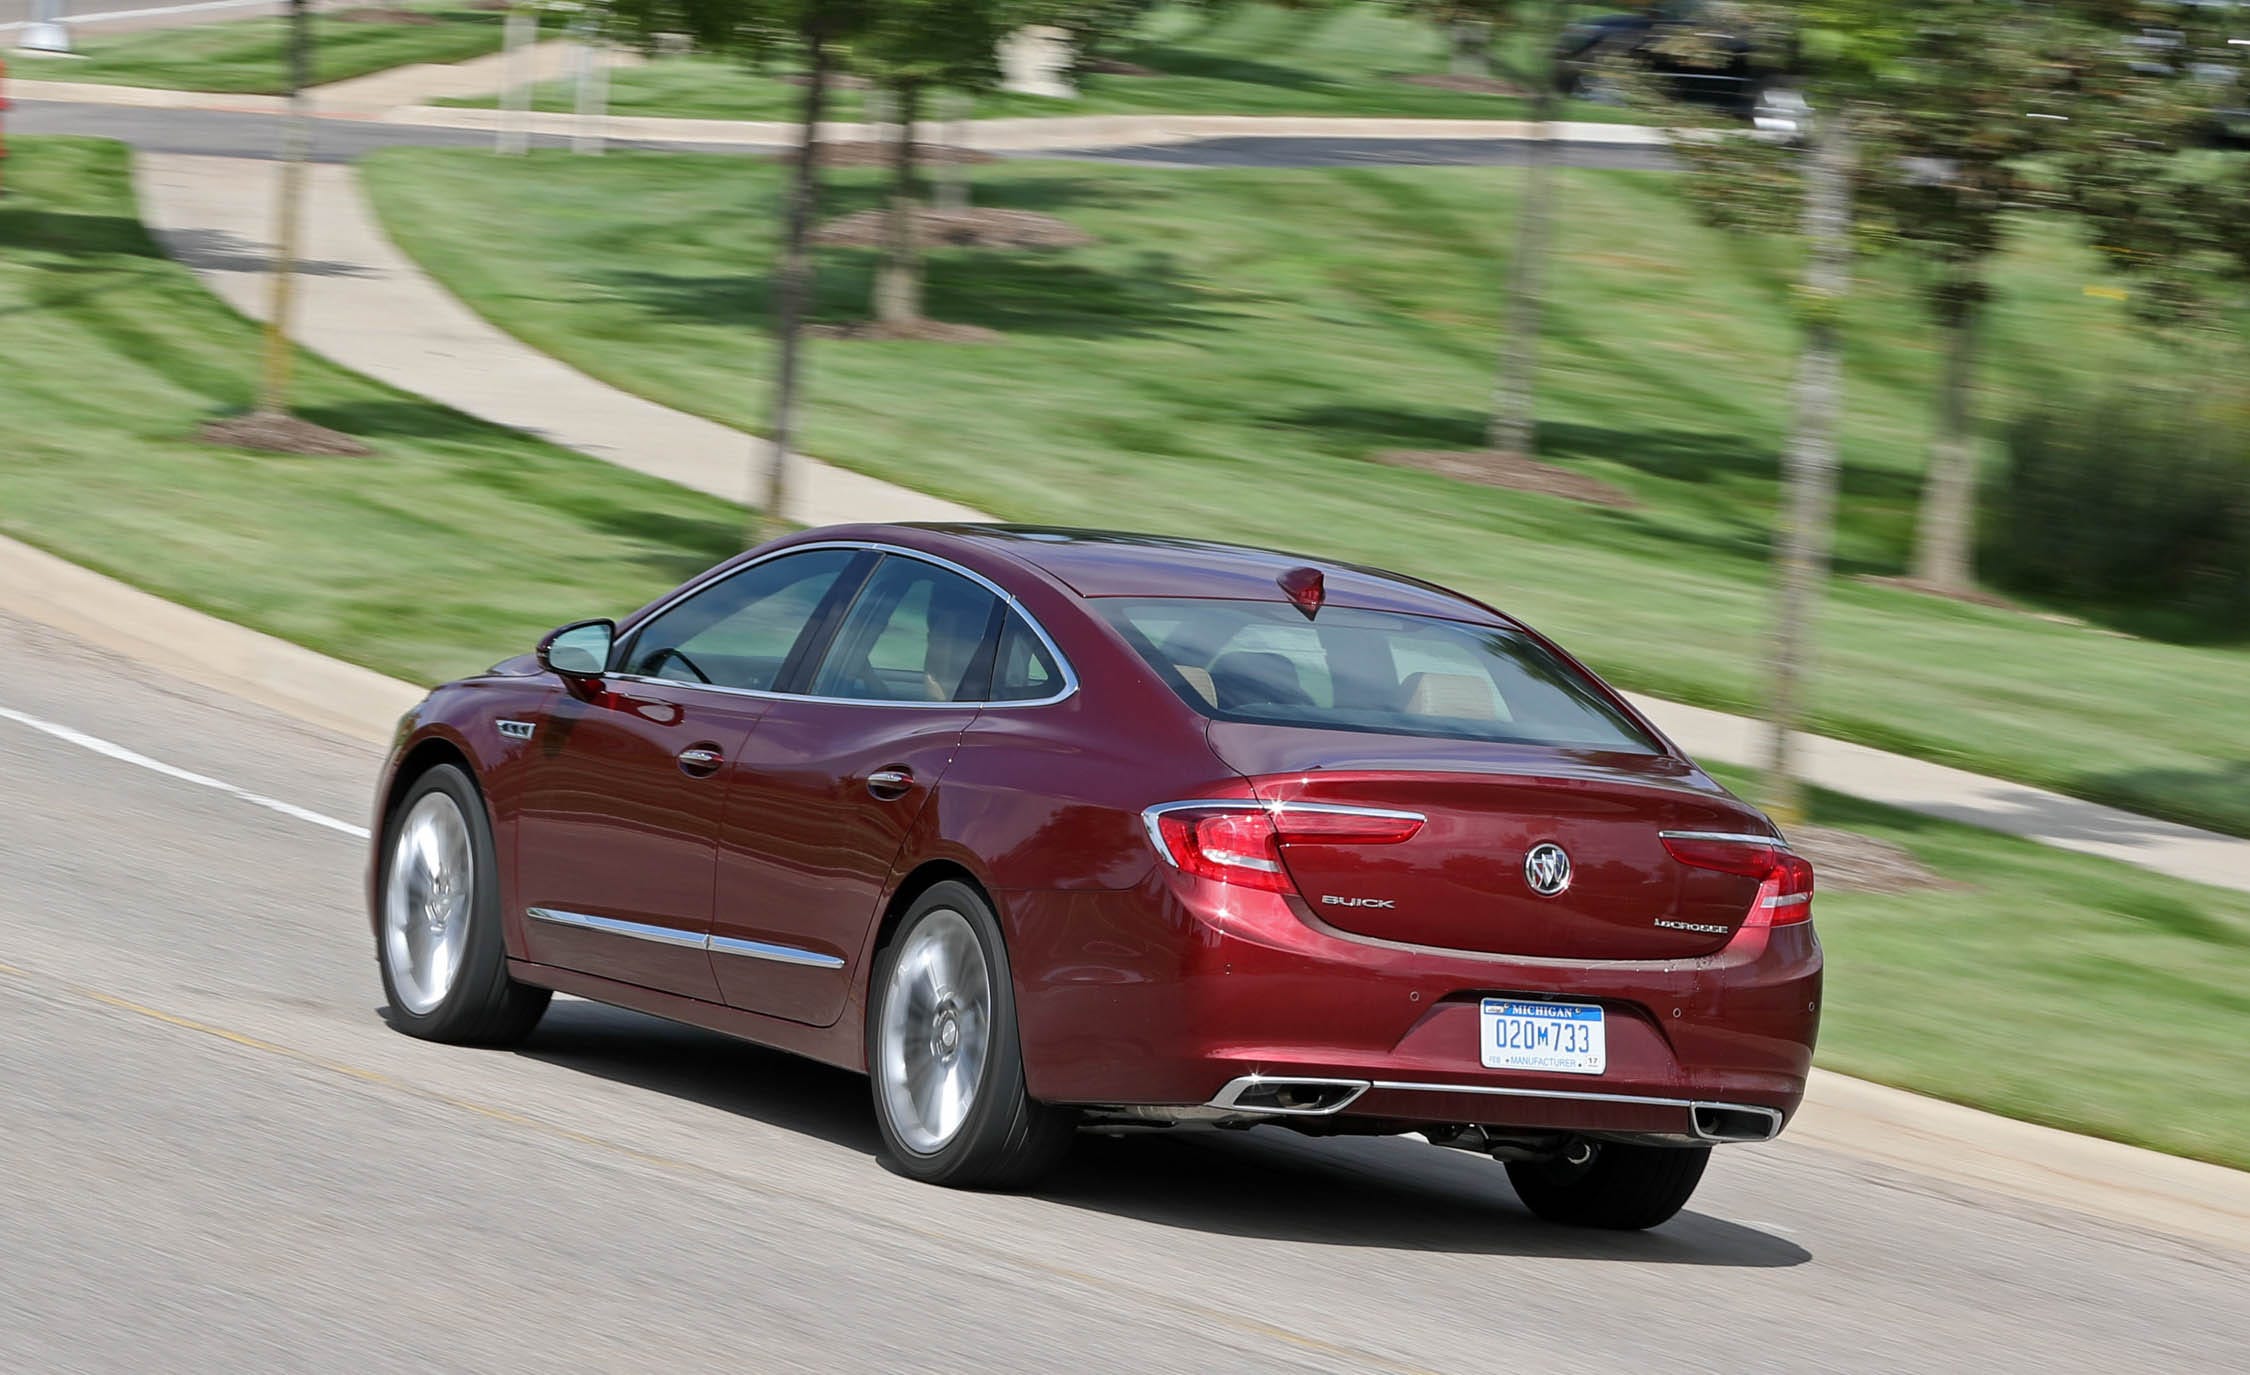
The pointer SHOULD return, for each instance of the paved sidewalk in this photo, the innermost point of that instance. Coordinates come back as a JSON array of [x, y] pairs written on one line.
[[367, 307], [428, 81], [362, 304]]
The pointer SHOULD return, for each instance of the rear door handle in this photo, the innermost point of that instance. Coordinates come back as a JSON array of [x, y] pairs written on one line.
[[700, 761], [890, 783]]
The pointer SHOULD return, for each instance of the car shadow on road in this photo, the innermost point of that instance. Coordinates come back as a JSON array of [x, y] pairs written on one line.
[[1269, 1183], [1385, 1192]]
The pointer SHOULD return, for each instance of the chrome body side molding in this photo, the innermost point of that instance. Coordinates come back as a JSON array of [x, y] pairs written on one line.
[[672, 935]]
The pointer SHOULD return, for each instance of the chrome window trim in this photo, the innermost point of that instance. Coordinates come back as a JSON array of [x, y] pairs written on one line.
[[1007, 599], [686, 940], [1149, 815], [612, 926], [769, 950], [1728, 837]]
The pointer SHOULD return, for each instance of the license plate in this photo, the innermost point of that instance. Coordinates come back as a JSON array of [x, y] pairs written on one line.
[[1560, 1038]]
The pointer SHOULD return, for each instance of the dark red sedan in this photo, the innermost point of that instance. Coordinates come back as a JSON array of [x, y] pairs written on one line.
[[1042, 828]]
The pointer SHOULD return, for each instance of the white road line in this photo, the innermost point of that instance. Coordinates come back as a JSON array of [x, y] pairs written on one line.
[[116, 751], [108, 15]]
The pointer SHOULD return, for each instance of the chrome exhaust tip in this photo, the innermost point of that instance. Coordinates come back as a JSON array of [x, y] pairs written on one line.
[[1734, 1122], [1288, 1097]]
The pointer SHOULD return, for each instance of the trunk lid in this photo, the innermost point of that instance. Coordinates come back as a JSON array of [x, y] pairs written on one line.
[[1460, 883]]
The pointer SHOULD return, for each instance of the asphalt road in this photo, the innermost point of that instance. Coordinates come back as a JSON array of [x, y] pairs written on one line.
[[219, 133], [214, 1155]]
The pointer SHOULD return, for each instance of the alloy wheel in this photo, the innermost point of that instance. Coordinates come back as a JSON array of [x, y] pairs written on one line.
[[428, 895], [935, 1033]]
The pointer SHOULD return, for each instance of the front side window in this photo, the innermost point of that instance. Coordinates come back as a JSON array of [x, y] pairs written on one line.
[[917, 633], [1377, 671], [740, 631]]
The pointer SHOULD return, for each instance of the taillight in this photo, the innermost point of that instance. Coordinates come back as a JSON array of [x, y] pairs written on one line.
[[1785, 880], [1240, 842]]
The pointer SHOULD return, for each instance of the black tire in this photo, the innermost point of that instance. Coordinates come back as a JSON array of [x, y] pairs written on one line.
[[482, 1005], [1624, 1188], [1007, 1140]]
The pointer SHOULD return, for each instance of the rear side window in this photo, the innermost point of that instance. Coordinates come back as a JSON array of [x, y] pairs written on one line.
[[1376, 671], [1024, 670], [917, 633]]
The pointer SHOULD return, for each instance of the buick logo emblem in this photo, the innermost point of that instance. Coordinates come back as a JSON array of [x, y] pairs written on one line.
[[1547, 869]]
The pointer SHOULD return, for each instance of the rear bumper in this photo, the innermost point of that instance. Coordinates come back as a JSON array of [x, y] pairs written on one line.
[[1180, 991]]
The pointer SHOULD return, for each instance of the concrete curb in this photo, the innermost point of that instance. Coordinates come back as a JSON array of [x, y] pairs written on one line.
[[173, 639], [2188, 1199]]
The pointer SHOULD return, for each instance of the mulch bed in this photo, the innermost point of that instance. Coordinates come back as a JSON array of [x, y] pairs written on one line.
[[1848, 862], [880, 154], [1975, 596], [972, 228], [281, 434], [917, 331], [381, 14], [837, 81], [1513, 472], [1465, 85]]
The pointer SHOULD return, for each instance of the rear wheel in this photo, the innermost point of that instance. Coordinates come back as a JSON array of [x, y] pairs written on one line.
[[1622, 1188], [444, 960], [943, 1054]]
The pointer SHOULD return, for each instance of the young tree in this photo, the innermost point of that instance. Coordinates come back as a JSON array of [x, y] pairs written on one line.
[[910, 46], [279, 353], [1513, 430], [1976, 92], [1839, 48], [820, 30], [1468, 26]]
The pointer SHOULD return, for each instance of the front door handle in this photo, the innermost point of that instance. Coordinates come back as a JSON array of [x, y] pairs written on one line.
[[700, 761], [890, 783]]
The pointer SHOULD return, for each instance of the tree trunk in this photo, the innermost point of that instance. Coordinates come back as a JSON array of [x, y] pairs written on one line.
[[1515, 407], [296, 147], [793, 291], [1810, 465], [1944, 543], [898, 284], [1472, 47]]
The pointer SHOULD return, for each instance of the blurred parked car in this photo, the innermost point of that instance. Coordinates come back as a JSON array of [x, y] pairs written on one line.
[[2194, 50], [1699, 51]]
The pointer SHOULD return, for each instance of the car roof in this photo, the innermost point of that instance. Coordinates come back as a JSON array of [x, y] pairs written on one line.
[[1109, 563]]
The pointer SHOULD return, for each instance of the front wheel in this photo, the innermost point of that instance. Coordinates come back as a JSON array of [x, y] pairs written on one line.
[[444, 960], [1623, 1188], [943, 1055]]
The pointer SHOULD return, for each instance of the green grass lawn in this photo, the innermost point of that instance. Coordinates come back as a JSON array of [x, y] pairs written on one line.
[[454, 546], [1246, 59], [248, 56], [1227, 357], [2053, 987]]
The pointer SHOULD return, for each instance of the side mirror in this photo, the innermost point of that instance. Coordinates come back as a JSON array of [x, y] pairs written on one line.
[[578, 650]]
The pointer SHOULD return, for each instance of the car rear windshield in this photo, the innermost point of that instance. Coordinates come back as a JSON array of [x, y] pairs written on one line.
[[1378, 671]]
